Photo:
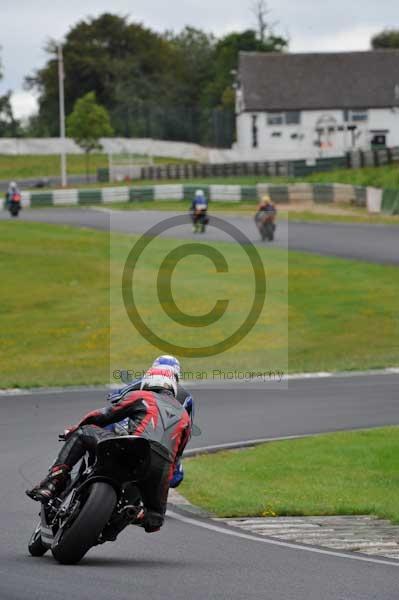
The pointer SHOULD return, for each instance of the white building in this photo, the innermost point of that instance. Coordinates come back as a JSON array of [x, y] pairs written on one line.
[[293, 106]]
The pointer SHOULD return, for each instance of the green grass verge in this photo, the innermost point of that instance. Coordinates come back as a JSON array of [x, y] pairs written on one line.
[[54, 315], [48, 165], [380, 177], [360, 216], [345, 473]]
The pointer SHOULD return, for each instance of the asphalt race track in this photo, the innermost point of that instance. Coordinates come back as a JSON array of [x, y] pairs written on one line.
[[375, 243], [185, 561]]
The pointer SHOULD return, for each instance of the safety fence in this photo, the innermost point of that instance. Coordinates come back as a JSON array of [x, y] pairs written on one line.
[[283, 168], [178, 171], [301, 193]]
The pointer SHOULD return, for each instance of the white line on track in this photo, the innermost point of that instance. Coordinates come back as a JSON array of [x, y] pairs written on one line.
[[205, 383], [249, 443], [252, 538]]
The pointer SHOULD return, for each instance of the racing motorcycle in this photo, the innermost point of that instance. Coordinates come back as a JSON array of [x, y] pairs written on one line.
[[200, 218], [265, 224], [14, 204], [101, 499]]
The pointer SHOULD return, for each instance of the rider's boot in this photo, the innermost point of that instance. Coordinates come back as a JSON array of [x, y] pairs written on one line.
[[152, 521], [55, 482]]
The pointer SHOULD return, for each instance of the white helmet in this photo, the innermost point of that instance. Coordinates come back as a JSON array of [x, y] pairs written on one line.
[[199, 194], [159, 379], [168, 362]]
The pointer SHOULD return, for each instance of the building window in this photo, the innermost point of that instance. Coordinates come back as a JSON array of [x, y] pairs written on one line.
[[275, 118], [290, 117], [276, 134], [254, 131], [293, 117], [359, 116], [356, 116]]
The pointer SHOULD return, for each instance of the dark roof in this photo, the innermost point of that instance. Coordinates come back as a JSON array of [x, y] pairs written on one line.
[[273, 81]]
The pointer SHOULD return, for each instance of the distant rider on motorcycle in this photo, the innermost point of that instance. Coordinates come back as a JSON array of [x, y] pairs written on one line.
[[198, 211], [12, 193], [154, 414], [183, 396], [265, 217]]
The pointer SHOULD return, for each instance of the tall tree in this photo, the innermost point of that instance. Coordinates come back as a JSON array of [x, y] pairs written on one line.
[[226, 59], [109, 56], [261, 12], [9, 126], [389, 38], [194, 60], [87, 123], [171, 86]]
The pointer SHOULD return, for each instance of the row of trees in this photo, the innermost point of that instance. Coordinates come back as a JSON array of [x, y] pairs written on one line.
[[170, 86]]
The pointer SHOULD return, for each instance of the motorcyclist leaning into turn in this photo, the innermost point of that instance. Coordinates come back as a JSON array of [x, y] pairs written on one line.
[[183, 396], [155, 414], [198, 211]]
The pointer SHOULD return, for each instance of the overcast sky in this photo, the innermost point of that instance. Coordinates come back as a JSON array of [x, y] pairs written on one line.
[[310, 24]]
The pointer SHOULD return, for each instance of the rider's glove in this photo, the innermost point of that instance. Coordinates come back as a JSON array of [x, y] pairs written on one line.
[[62, 437]]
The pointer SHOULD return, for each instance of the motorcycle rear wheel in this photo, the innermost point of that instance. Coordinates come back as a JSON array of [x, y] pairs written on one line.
[[85, 530]]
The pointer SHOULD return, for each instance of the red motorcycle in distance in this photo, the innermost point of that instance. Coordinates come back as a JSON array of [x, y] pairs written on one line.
[[14, 204], [265, 222]]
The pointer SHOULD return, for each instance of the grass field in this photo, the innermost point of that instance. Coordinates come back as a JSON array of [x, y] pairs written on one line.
[[334, 474], [27, 166], [48, 165], [380, 177], [54, 317]]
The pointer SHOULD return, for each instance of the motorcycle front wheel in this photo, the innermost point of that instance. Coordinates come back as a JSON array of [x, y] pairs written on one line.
[[71, 546]]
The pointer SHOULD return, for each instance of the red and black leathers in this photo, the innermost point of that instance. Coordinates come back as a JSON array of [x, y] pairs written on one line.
[[157, 417]]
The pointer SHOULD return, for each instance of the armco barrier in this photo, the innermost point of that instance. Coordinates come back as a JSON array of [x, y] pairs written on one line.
[[360, 196], [42, 199], [249, 193], [168, 192], [300, 193], [116, 194], [143, 194], [390, 202], [278, 193], [225, 193], [89, 197], [189, 191], [374, 200], [323, 194], [65, 197]]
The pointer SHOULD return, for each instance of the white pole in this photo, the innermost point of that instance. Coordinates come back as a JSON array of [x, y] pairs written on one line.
[[62, 115]]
